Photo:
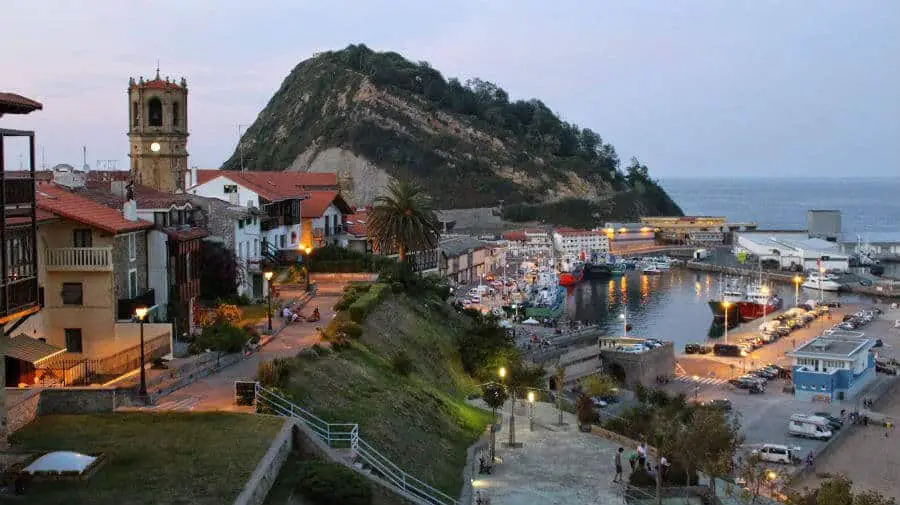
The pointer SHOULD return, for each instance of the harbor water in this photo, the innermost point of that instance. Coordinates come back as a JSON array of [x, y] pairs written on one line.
[[672, 306]]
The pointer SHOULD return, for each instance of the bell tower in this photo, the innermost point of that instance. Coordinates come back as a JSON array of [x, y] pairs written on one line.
[[158, 132]]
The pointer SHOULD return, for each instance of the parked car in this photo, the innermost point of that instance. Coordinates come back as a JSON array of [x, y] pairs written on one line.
[[768, 373], [774, 453], [705, 349], [720, 403], [835, 422], [692, 349], [801, 425], [740, 384]]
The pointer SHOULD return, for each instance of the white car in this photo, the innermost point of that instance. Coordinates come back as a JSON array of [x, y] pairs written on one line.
[[775, 453]]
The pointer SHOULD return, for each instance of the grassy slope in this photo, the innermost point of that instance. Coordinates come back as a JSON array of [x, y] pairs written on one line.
[[421, 421], [153, 458]]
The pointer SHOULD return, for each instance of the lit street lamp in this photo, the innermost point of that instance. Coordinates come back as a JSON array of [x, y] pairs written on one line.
[[140, 313], [307, 250], [531, 414], [726, 305], [797, 281], [268, 276]]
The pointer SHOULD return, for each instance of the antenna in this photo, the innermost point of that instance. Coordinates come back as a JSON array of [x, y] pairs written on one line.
[[157, 68], [85, 166], [43, 158]]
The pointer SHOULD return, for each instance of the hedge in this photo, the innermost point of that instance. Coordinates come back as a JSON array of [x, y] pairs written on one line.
[[368, 301]]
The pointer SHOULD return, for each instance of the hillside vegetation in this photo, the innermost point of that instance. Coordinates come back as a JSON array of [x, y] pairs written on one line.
[[400, 377], [372, 116]]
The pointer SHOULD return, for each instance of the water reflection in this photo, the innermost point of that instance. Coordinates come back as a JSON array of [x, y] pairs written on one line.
[[672, 306]]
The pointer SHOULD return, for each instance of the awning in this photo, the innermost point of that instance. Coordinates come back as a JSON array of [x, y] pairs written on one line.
[[31, 350]]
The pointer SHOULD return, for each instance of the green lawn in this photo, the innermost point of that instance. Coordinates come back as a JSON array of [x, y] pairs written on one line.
[[165, 458], [254, 312]]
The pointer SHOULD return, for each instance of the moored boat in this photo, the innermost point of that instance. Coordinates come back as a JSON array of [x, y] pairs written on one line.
[[651, 270], [821, 282], [758, 303], [730, 294], [573, 275]]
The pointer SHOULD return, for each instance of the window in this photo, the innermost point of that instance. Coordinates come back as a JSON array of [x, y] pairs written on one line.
[[293, 237], [161, 219], [240, 250], [132, 283], [132, 246], [281, 240], [82, 238], [73, 339], [175, 114], [154, 112], [72, 293], [240, 223], [134, 113], [255, 247], [230, 188]]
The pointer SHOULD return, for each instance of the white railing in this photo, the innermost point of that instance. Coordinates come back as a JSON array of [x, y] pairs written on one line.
[[79, 258], [346, 435]]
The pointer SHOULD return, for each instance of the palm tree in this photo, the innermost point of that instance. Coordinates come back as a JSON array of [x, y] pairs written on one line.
[[403, 220]]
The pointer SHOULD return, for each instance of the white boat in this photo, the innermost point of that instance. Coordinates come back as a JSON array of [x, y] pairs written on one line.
[[651, 270], [821, 282]]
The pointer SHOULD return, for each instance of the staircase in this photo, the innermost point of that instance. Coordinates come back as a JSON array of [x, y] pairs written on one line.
[[344, 437]]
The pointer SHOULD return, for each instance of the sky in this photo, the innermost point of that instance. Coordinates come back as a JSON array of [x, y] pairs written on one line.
[[692, 88]]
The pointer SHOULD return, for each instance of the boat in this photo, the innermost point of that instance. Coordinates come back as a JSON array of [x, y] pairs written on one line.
[[730, 294], [602, 267], [821, 282], [547, 299], [573, 275], [758, 303], [651, 270]]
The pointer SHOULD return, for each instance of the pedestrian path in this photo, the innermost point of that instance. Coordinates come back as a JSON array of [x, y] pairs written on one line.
[[179, 403], [694, 379]]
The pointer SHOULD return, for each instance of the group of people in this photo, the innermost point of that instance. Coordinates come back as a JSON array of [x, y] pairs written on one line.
[[638, 459], [293, 317]]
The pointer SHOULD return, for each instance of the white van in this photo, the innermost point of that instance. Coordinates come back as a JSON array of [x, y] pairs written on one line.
[[776, 453], [802, 425]]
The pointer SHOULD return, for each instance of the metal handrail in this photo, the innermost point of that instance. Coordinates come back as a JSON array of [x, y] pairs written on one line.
[[337, 435]]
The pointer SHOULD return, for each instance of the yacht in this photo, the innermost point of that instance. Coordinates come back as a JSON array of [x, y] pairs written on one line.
[[821, 282], [651, 270]]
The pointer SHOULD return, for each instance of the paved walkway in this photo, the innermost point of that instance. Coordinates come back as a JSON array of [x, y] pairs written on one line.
[[555, 465], [216, 392]]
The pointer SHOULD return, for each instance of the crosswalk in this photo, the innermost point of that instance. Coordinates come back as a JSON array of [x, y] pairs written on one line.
[[695, 379]]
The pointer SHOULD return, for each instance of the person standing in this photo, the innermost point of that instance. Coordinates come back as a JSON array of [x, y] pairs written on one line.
[[632, 459], [618, 477]]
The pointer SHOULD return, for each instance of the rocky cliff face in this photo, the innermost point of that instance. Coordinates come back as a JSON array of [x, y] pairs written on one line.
[[374, 116]]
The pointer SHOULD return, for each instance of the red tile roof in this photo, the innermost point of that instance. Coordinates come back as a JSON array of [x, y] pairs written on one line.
[[515, 235], [318, 201], [11, 103], [274, 185], [71, 205], [157, 84], [41, 216], [357, 223]]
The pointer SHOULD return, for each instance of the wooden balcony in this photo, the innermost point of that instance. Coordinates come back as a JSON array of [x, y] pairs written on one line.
[[18, 191], [18, 298], [79, 259]]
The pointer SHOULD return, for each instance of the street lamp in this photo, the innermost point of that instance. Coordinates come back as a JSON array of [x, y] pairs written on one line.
[[140, 313], [268, 276], [797, 281], [726, 305], [531, 414], [307, 250]]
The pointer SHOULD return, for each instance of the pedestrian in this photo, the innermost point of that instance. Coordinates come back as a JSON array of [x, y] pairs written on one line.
[[663, 467], [642, 454], [632, 459], [618, 477]]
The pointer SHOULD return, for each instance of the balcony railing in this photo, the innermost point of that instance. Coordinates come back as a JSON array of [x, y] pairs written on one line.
[[18, 191], [18, 295], [79, 259], [126, 306]]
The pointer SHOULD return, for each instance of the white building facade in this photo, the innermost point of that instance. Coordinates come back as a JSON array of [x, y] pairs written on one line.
[[580, 243], [793, 250]]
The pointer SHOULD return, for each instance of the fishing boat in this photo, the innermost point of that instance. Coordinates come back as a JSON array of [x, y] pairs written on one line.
[[547, 299], [572, 275], [730, 294], [604, 266], [651, 270], [758, 303]]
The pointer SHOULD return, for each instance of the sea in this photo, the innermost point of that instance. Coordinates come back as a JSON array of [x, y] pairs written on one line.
[[673, 306]]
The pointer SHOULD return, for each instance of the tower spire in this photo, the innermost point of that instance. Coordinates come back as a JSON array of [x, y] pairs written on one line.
[[157, 68]]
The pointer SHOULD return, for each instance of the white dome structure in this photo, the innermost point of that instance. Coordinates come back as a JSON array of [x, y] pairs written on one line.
[[61, 461]]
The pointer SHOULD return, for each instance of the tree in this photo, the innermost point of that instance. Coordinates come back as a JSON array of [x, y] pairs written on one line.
[[838, 491], [220, 274], [714, 440], [597, 385], [494, 396], [403, 220]]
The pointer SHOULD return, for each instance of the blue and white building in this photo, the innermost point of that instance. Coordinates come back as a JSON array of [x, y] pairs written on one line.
[[833, 367]]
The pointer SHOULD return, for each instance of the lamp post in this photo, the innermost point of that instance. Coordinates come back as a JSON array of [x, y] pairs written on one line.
[[797, 281], [531, 413], [268, 276], [765, 290], [512, 409], [726, 305], [140, 313], [307, 250]]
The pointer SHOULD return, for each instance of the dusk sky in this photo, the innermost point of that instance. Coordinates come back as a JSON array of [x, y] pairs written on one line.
[[693, 88]]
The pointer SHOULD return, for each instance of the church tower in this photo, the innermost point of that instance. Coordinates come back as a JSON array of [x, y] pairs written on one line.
[[158, 132]]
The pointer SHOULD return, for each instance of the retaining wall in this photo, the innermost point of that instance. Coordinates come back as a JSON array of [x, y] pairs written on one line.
[[266, 471], [23, 412], [343, 277], [43, 402]]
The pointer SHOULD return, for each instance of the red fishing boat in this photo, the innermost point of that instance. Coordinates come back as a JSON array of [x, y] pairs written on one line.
[[758, 303], [573, 276]]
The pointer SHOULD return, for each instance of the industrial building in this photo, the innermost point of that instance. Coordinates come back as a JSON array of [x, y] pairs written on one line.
[[884, 246], [833, 367], [794, 250], [824, 224]]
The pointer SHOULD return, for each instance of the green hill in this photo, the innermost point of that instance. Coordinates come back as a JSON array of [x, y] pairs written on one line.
[[372, 116]]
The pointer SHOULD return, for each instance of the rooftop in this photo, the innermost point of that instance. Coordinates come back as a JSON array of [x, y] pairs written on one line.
[[357, 223], [878, 237], [317, 202], [274, 185], [460, 245], [835, 345], [84, 209], [574, 232], [11, 103], [795, 241]]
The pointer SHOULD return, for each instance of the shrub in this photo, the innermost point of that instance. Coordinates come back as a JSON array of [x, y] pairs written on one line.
[[350, 329], [324, 482], [368, 301], [403, 364], [274, 373], [264, 408], [228, 313], [252, 332], [223, 338]]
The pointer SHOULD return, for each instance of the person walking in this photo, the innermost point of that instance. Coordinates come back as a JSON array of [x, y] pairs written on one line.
[[618, 477], [632, 459]]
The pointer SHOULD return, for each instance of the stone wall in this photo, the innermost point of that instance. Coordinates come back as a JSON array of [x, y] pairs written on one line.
[[122, 264], [23, 411], [86, 400], [641, 368], [266, 471], [346, 277]]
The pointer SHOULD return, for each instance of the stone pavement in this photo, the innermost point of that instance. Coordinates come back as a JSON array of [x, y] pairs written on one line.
[[555, 465], [216, 392]]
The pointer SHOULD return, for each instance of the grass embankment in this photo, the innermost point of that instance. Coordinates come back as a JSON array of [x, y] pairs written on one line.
[[419, 420], [174, 458]]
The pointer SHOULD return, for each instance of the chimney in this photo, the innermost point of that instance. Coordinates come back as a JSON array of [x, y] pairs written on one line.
[[129, 210], [118, 188]]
